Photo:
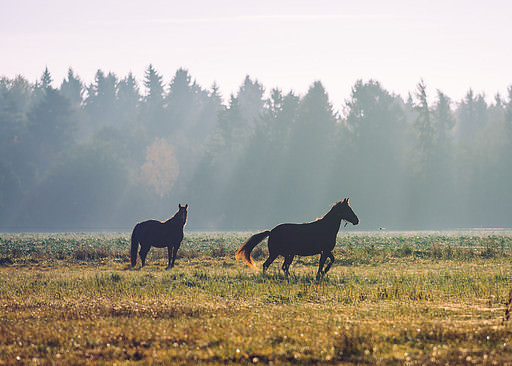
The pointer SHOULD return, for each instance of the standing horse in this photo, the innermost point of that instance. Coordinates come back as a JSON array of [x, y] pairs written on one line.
[[289, 240], [159, 234]]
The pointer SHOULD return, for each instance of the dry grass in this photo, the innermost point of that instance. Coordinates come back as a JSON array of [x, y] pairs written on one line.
[[390, 309]]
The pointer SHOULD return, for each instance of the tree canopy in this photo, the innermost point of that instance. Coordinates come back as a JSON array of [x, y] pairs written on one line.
[[104, 155]]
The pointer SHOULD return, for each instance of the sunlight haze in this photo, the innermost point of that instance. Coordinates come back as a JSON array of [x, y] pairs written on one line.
[[453, 45]]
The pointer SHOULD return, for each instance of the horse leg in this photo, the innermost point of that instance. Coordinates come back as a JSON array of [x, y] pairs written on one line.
[[272, 257], [170, 257], [286, 265], [144, 249], [323, 258], [331, 257], [174, 252]]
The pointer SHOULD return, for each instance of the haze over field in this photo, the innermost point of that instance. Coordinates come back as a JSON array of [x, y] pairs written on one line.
[[255, 114]]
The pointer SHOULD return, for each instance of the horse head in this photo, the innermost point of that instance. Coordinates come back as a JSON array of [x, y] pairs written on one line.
[[182, 212], [346, 213]]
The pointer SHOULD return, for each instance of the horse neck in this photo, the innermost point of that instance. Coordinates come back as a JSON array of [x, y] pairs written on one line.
[[176, 219], [173, 220], [331, 218]]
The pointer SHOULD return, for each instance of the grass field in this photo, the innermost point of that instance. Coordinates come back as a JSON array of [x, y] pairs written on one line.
[[412, 298]]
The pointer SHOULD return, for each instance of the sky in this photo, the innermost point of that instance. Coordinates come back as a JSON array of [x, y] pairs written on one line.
[[452, 45]]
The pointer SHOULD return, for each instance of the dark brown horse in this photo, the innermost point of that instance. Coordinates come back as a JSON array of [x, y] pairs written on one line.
[[289, 240], [159, 234]]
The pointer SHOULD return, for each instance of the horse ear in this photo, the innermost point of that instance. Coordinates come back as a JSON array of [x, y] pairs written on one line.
[[179, 205], [186, 205]]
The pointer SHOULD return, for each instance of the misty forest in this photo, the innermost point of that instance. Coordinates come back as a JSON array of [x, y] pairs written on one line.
[[102, 156]]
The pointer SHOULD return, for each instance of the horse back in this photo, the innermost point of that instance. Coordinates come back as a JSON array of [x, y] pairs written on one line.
[[302, 239], [157, 233]]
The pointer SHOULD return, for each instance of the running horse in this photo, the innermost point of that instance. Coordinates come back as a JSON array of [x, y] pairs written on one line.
[[160, 235], [289, 240]]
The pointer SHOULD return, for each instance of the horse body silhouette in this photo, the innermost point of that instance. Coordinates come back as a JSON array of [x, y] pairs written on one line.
[[289, 240], [160, 235]]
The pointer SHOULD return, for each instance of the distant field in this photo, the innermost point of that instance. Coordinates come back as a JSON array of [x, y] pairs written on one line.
[[424, 298]]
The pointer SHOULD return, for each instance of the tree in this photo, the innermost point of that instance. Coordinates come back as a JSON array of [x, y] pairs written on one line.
[[209, 114], [278, 118], [265, 172], [129, 99], [73, 89], [472, 116], [424, 127], [181, 89], [46, 79], [51, 128], [508, 113], [232, 127], [41, 86], [15, 100], [443, 120], [372, 144], [153, 103], [250, 100], [310, 161], [161, 169], [442, 182], [373, 116], [154, 87], [183, 104], [101, 102], [87, 189], [17, 174]]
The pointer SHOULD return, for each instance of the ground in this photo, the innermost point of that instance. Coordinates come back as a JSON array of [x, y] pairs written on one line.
[[413, 298]]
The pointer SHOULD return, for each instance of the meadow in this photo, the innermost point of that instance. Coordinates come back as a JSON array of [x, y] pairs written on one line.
[[406, 298]]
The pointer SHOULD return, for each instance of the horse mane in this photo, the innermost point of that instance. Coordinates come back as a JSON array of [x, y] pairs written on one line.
[[331, 211], [175, 217]]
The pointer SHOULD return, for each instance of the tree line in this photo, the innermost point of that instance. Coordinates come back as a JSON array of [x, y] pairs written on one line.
[[104, 155]]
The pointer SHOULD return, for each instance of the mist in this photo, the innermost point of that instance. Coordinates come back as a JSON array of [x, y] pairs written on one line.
[[103, 156]]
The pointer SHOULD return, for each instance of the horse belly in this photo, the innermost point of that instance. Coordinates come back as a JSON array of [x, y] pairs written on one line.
[[156, 235], [292, 239]]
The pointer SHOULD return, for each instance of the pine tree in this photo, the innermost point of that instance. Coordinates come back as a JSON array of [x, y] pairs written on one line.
[[46, 79], [183, 104], [72, 88], [424, 125], [371, 145], [101, 101], [473, 117], [444, 121], [128, 99], [250, 99], [51, 127], [154, 88], [41, 86], [508, 113]]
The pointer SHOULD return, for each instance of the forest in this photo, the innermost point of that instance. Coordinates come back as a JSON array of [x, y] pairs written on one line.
[[105, 155]]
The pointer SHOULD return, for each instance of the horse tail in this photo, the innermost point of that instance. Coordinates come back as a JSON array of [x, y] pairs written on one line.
[[244, 253], [135, 246]]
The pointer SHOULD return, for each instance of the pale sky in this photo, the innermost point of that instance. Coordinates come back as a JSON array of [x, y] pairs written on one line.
[[451, 45]]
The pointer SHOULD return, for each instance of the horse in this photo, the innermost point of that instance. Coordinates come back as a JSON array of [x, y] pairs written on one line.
[[160, 235], [289, 240]]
